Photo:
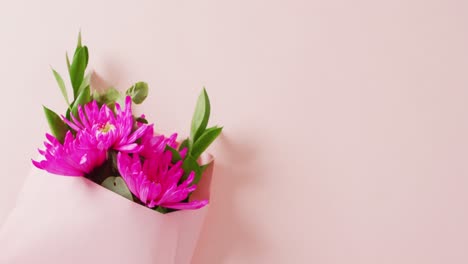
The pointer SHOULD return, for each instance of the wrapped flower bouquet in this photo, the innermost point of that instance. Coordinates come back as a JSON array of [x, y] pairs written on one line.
[[106, 188]]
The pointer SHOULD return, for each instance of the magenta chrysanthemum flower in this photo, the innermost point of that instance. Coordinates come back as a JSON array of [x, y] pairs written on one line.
[[102, 128], [156, 181], [70, 158], [155, 145]]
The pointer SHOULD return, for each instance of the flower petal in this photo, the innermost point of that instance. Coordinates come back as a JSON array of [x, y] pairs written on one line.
[[187, 206]]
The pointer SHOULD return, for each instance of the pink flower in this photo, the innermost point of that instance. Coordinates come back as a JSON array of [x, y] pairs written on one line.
[[70, 158], [155, 145], [106, 130], [156, 181]]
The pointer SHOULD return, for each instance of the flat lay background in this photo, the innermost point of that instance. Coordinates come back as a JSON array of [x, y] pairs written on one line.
[[346, 122]]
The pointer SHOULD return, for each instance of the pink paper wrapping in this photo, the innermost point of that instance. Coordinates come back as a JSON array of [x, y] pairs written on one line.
[[60, 220]]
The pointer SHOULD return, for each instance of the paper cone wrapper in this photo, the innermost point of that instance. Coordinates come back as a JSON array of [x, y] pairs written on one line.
[[67, 220]]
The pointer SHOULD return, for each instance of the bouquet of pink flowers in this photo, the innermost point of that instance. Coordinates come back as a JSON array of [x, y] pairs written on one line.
[[99, 139]]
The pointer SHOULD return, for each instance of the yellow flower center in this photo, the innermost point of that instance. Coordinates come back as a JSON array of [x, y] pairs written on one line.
[[105, 128]]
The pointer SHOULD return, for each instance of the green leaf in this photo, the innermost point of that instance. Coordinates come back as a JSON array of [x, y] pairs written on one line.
[[56, 124], [77, 69], [86, 52], [117, 185], [67, 115], [185, 144], [204, 167], [83, 98], [205, 141], [200, 116], [190, 164], [161, 209], [68, 62], [141, 120], [78, 45], [175, 154], [138, 92], [61, 85], [113, 158], [86, 82], [111, 96]]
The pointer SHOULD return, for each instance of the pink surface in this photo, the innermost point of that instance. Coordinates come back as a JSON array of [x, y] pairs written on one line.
[[346, 122], [73, 220]]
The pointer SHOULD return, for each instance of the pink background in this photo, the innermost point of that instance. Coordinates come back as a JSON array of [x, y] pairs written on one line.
[[346, 122]]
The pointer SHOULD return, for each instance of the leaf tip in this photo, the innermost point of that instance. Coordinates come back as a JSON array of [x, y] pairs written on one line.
[[79, 45]]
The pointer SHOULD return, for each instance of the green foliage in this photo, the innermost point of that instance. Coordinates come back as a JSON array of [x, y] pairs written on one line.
[[61, 85], [204, 167], [161, 210], [83, 98], [141, 120], [78, 44], [138, 92], [56, 124], [190, 164], [205, 141], [175, 154], [80, 82], [200, 137], [68, 62], [78, 67], [86, 82], [200, 116], [109, 97], [117, 185], [185, 144]]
